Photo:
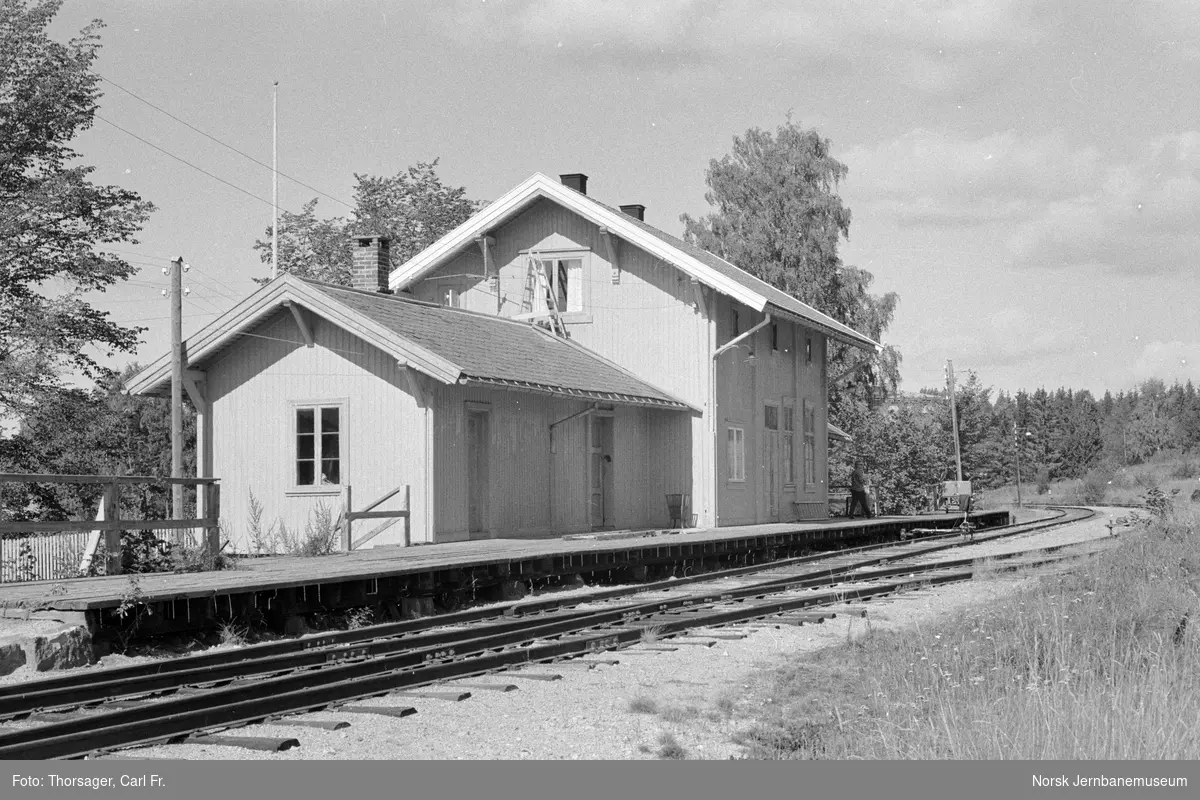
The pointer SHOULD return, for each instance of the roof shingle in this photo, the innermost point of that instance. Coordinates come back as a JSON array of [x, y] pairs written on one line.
[[497, 350]]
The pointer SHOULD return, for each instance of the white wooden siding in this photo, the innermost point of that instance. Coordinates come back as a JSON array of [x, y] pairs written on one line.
[[652, 322], [253, 387], [744, 388], [536, 492]]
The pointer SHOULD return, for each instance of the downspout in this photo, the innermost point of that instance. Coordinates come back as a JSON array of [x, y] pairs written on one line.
[[710, 308], [716, 484]]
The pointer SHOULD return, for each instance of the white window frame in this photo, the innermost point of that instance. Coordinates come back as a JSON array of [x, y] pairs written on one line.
[[576, 280], [735, 453], [787, 425], [341, 405]]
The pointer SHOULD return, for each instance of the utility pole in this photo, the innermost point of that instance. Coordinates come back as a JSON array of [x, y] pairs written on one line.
[[275, 181], [177, 367], [1017, 444], [953, 416]]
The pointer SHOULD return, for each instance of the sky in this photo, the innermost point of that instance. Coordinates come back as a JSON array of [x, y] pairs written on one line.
[[1024, 174]]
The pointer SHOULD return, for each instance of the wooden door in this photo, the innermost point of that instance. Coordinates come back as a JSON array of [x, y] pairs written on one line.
[[600, 510], [478, 487], [771, 461]]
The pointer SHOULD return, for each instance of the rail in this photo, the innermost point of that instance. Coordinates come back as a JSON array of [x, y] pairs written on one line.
[[212, 696], [39, 545]]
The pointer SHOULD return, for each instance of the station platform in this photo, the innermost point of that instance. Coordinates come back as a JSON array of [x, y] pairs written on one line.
[[275, 585]]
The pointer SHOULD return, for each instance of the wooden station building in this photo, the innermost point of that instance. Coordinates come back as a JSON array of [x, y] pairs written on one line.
[[551, 366]]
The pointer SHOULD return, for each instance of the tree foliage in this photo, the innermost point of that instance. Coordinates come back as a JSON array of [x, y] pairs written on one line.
[[103, 431], [904, 451], [413, 208], [52, 217], [778, 216]]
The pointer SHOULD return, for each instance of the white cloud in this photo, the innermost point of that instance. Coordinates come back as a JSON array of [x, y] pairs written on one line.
[[1050, 203], [926, 174], [1169, 361], [932, 45]]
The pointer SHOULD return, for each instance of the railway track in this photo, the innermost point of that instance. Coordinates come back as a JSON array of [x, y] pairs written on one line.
[[79, 715]]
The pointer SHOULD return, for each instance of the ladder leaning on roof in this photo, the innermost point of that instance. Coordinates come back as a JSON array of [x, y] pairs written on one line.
[[535, 281]]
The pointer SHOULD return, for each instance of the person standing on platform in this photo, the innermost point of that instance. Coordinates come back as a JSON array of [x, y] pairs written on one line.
[[858, 491]]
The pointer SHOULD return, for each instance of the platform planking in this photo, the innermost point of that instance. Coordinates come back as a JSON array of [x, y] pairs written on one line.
[[287, 572]]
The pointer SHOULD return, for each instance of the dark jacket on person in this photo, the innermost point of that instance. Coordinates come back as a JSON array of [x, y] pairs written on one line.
[[858, 481]]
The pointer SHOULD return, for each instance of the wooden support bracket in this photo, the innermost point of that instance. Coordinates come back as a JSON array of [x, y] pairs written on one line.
[[300, 322], [610, 246], [414, 384], [194, 392], [485, 247], [698, 293]]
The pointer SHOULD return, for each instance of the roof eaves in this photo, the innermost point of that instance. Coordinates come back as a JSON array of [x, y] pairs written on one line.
[[581, 394], [841, 333], [268, 300], [612, 365], [539, 185]]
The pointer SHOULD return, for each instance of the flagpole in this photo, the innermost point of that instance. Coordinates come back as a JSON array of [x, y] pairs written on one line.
[[275, 181]]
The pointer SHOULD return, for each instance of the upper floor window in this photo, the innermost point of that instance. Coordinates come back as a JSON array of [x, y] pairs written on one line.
[[735, 324], [808, 349], [564, 281], [774, 337]]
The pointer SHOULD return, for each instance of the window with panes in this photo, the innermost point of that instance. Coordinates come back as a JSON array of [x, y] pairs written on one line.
[[735, 444], [789, 446], [810, 444], [318, 446]]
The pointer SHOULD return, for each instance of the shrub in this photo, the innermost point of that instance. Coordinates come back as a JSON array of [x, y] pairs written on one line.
[[321, 535], [1185, 470], [1043, 480], [1095, 486], [642, 705], [670, 748]]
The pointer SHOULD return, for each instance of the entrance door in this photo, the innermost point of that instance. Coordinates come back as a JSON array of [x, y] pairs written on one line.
[[600, 499], [771, 461], [478, 488]]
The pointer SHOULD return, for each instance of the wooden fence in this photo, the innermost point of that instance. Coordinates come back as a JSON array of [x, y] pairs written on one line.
[[39, 550], [348, 517]]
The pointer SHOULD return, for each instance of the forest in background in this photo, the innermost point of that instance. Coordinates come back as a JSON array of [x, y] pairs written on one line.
[[907, 443]]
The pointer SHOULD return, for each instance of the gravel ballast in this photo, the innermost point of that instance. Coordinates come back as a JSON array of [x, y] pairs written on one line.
[[622, 711]]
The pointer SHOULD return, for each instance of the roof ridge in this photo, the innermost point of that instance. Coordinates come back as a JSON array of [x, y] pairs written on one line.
[[673, 238]]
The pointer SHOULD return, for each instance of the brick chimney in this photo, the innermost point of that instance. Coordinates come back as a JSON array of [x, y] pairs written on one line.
[[372, 263], [576, 181], [638, 212]]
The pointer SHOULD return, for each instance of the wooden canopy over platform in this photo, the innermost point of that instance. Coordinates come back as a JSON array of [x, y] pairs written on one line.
[[518, 557]]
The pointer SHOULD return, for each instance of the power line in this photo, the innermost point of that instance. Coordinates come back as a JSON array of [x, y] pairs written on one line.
[[223, 144], [184, 161]]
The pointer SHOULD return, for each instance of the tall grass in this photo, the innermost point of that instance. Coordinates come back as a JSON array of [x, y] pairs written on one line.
[[1106, 484], [1100, 663]]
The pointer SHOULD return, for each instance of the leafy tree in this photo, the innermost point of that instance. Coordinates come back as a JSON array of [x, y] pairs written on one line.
[[1151, 427], [311, 247], [904, 454], [104, 431], [413, 208], [778, 216], [981, 438], [52, 218]]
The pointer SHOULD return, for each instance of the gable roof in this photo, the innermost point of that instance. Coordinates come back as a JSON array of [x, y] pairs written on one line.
[[705, 267], [449, 344]]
